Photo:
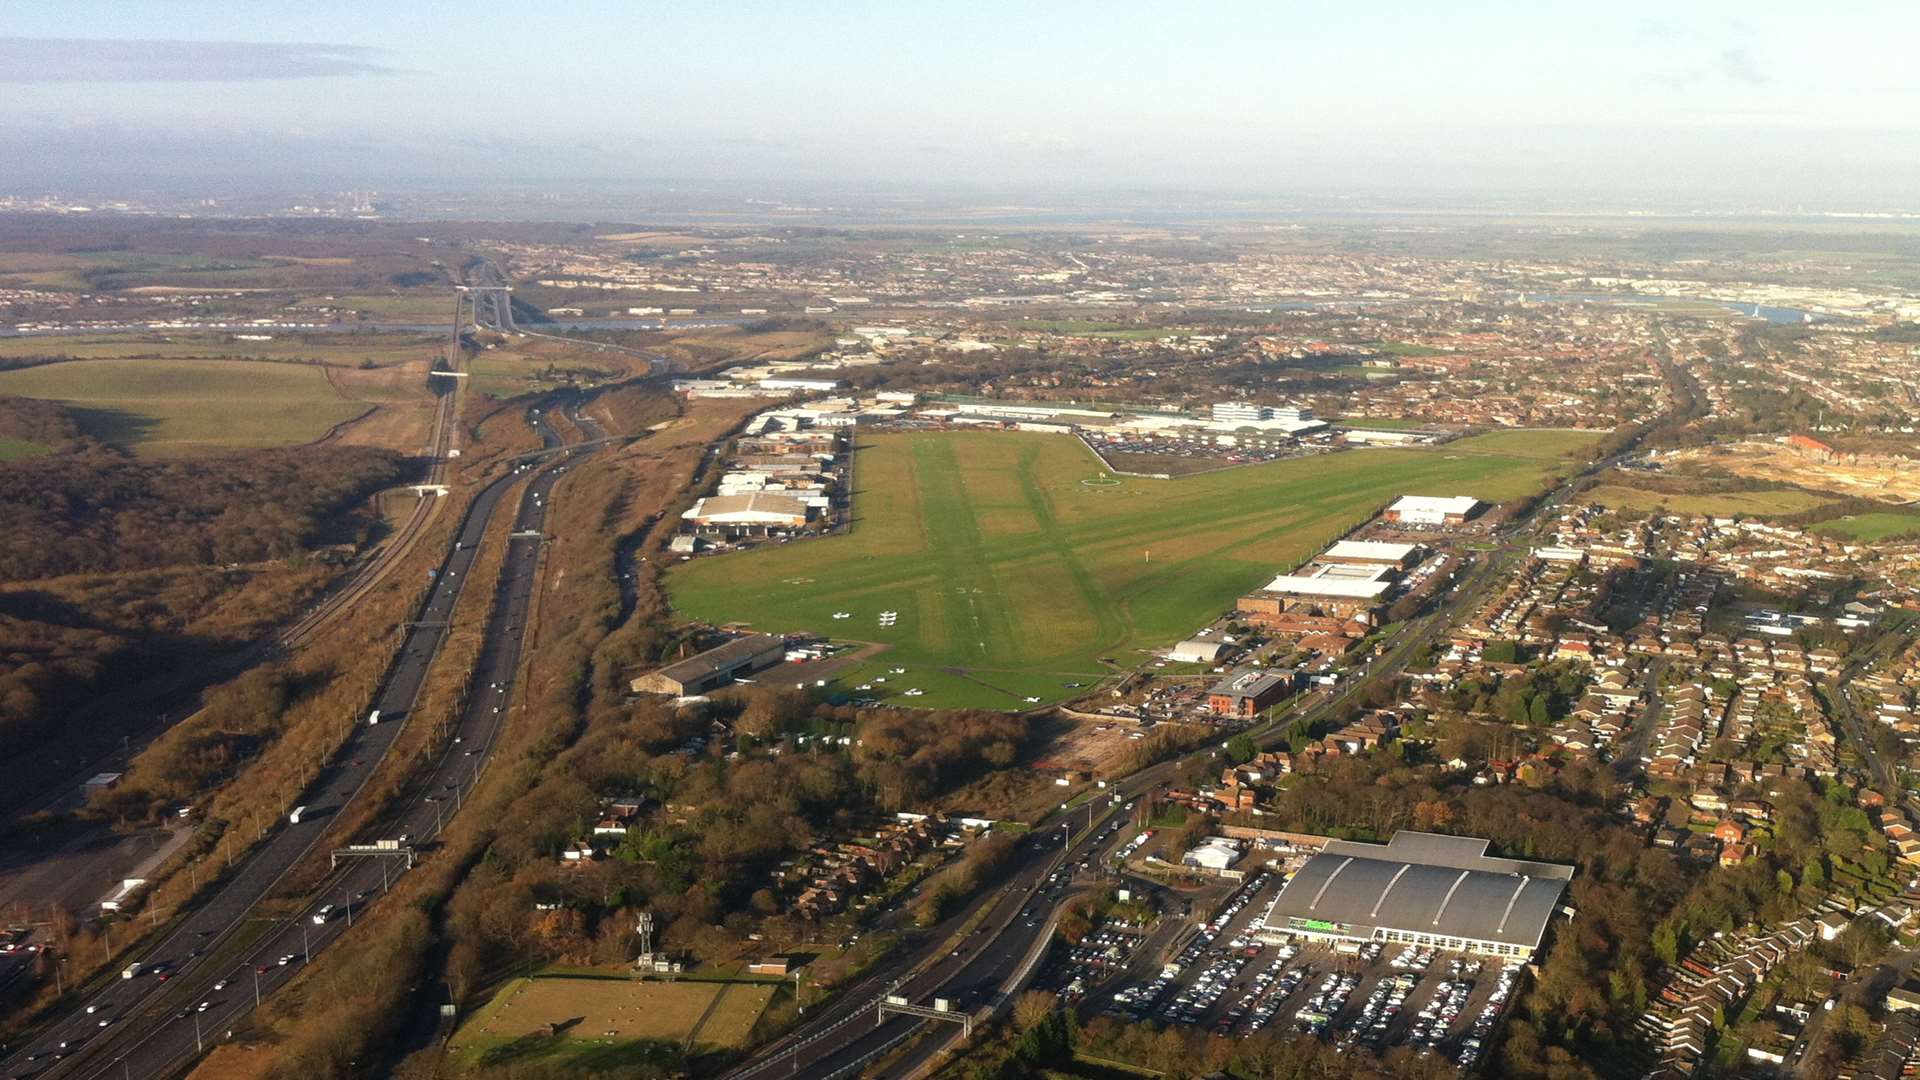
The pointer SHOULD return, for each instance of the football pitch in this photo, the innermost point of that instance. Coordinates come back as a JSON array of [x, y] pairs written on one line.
[[1012, 564]]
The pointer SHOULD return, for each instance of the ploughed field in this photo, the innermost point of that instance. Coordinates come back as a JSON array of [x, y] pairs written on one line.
[[1014, 563]]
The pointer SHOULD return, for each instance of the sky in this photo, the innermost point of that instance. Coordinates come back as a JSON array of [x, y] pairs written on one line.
[[1714, 104]]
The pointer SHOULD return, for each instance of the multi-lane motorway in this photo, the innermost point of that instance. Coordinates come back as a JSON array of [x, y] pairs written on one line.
[[145, 1028], [147, 1024]]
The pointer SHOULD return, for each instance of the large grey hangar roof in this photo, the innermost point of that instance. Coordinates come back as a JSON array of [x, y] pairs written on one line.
[[1424, 883]]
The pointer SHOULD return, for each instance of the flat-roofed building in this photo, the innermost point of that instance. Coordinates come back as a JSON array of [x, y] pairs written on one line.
[[1442, 892], [1431, 510], [716, 667], [1367, 552], [1248, 692]]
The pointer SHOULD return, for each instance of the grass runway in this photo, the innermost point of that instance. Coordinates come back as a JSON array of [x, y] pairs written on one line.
[[1014, 563]]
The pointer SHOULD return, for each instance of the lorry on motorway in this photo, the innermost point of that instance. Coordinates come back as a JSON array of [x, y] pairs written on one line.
[[294, 818], [320, 917], [373, 717], [132, 970]]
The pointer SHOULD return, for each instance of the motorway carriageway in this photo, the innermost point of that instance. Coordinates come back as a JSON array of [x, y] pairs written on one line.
[[156, 1023]]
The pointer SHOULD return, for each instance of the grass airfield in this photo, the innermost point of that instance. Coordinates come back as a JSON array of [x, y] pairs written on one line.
[[1016, 566]]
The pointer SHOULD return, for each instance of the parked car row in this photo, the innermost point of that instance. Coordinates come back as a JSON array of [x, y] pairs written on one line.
[[1378, 1012]]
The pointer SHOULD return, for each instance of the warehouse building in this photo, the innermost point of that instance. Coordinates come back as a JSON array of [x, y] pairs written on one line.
[[716, 667], [1372, 553], [1442, 892], [1338, 595], [748, 512], [1429, 510]]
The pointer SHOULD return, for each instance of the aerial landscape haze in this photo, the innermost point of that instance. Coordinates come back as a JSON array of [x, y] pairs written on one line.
[[959, 542]]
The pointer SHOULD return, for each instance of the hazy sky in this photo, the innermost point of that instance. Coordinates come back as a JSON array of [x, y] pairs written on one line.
[[1741, 103]]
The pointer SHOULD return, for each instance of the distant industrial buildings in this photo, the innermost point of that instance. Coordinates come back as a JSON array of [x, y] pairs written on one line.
[[1240, 412], [777, 481], [1424, 889]]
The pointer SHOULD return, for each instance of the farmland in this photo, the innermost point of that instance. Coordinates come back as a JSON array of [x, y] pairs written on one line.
[[608, 1021], [169, 408], [1017, 566]]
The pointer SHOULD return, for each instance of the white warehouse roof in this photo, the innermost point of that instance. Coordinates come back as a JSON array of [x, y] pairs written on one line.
[[1429, 504], [1371, 551], [1363, 589]]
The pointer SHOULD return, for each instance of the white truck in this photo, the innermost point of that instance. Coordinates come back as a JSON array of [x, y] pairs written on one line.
[[320, 917], [373, 717], [132, 970], [294, 818]]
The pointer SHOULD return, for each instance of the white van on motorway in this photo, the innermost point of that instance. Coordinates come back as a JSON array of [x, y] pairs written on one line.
[[294, 818], [320, 917]]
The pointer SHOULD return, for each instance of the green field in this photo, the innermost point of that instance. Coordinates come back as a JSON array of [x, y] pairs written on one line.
[[1015, 562], [1869, 528], [169, 408], [607, 1021], [1712, 504]]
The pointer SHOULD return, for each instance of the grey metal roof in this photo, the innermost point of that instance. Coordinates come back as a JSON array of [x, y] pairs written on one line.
[[1250, 682], [1425, 883], [723, 658]]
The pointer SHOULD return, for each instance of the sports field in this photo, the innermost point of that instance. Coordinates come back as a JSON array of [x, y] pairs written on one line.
[[170, 408], [1013, 563]]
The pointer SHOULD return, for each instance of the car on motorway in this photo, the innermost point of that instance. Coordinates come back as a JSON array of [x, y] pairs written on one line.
[[221, 985], [288, 959]]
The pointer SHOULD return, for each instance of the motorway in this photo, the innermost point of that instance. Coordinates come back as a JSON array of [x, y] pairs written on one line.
[[177, 1029], [207, 927], [151, 1024], [62, 794]]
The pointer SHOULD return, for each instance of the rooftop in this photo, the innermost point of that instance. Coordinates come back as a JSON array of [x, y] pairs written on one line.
[[1430, 504], [1370, 551], [1426, 883]]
